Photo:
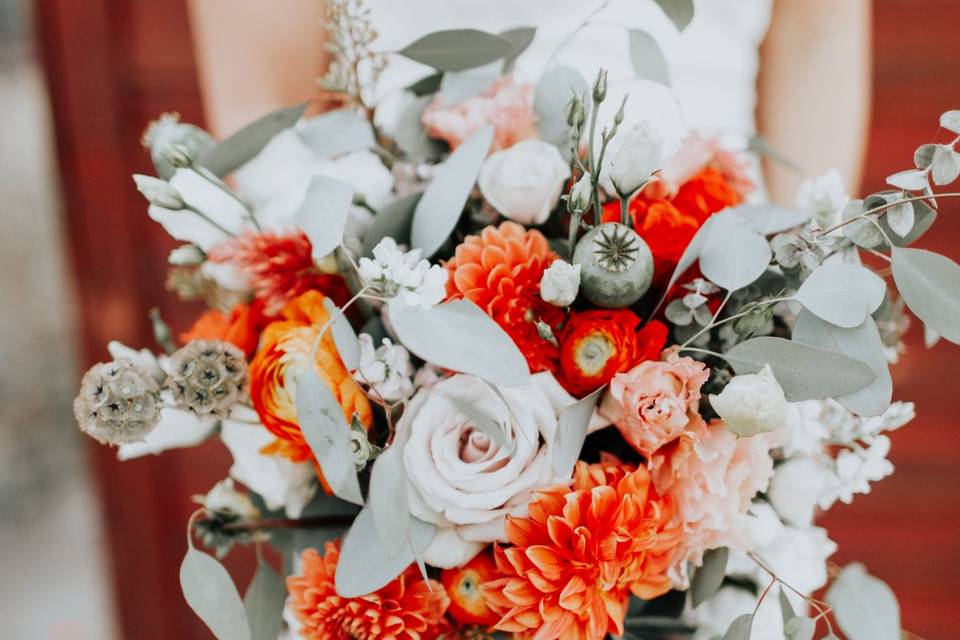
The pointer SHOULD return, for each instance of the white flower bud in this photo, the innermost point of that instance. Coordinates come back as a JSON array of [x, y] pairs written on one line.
[[560, 283], [158, 192], [186, 255], [578, 201], [638, 155], [752, 403]]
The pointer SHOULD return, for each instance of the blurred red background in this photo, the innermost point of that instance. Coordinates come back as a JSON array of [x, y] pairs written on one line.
[[113, 65]]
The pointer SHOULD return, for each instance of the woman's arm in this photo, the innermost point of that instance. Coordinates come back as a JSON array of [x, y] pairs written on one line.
[[814, 102], [254, 56]]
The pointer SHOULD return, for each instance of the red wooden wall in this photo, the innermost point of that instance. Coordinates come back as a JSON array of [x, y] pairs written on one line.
[[113, 65]]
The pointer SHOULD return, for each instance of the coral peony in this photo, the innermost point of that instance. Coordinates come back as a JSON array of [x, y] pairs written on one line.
[[283, 357], [500, 270], [406, 609], [654, 402], [581, 552], [713, 476], [241, 327], [280, 267], [504, 104], [595, 345], [468, 604]]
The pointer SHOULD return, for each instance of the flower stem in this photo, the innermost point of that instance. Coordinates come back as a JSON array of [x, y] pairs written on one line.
[[716, 323], [333, 318], [225, 189], [316, 522], [884, 207]]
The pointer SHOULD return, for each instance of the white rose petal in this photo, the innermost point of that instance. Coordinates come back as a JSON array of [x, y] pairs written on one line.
[[524, 182], [751, 403]]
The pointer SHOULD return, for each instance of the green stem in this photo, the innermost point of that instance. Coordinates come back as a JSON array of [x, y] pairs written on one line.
[[591, 162], [716, 323], [624, 211], [884, 207], [329, 323], [207, 218]]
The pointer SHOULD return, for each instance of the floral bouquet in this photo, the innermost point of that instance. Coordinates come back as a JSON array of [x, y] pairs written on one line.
[[492, 358]]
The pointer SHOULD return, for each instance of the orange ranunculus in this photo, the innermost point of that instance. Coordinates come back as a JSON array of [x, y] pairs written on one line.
[[240, 327], [283, 357], [597, 344], [407, 608], [468, 605], [500, 270], [581, 552]]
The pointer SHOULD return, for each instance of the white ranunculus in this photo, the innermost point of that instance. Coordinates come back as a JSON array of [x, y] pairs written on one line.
[[638, 155], [796, 488], [560, 283], [751, 403], [524, 182], [462, 479], [281, 483]]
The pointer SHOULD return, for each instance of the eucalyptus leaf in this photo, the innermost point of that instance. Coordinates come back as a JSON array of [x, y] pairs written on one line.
[[709, 576], [951, 120], [930, 337], [900, 218], [930, 285], [387, 500], [242, 146], [842, 293], [733, 255], [760, 146], [786, 609], [211, 594], [740, 628], [804, 372], [863, 343], [945, 166], [923, 218], [410, 136], [365, 565], [328, 434], [344, 337], [426, 85], [337, 132], [457, 86], [572, 431], [864, 606], [520, 39], [555, 89], [323, 214], [691, 254], [264, 602], [647, 58], [459, 336], [439, 208], [768, 219], [680, 12], [799, 628], [923, 156], [862, 233], [393, 220], [457, 49], [909, 180]]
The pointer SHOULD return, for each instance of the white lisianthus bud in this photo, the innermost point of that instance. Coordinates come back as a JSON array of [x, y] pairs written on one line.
[[752, 403], [795, 489], [638, 155], [578, 201], [168, 130], [158, 192], [560, 283], [186, 255]]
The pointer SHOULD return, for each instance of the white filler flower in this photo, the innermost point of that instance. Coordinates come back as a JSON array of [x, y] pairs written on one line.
[[752, 403], [386, 369], [395, 273], [560, 283]]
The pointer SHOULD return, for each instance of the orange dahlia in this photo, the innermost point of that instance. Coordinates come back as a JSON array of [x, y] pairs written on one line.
[[240, 327], [581, 552], [595, 345], [280, 267], [500, 270], [468, 605], [406, 609], [283, 357]]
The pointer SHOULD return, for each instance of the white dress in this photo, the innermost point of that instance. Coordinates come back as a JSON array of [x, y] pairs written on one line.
[[712, 63]]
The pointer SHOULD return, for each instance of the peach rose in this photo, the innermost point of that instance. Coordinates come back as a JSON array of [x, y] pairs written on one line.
[[654, 402], [504, 104]]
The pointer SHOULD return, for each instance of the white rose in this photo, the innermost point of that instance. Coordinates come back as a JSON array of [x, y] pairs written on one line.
[[524, 182], [752, 403], [638, 155], [560, 283], [462, 479], [795, 489]]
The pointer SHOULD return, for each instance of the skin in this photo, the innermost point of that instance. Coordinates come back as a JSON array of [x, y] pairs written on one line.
[[814, 80]]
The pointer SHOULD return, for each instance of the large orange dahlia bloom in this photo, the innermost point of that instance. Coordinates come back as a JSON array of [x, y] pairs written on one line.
[[283, 357], [406, 609], [500, 270], [581, 552]]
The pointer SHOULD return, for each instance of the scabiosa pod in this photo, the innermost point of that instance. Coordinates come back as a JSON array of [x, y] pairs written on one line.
[[208, 377], [394, 273], [118, 403]]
